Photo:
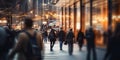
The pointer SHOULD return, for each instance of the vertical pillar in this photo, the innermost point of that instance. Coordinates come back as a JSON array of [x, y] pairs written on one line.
[[62, 16], [75, 19], [65, 17], [81, 15], [109, 12], [91, 5], [34, 7], [69, 16]]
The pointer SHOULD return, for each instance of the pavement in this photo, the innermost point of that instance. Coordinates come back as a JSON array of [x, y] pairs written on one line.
[[57, 54]]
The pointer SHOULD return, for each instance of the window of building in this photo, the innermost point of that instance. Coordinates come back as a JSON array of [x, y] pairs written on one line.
[[78, 16], [72, 17]]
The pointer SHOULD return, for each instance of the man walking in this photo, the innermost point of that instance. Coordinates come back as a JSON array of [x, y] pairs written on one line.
[[70, 37], [90, 37], [61, 37]]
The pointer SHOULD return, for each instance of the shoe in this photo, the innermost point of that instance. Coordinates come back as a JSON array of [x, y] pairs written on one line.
[[60, 49], [51, 49], [70, 54]]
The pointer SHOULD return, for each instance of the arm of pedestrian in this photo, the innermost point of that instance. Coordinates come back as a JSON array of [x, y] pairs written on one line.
[[17, 47], [40, 43]]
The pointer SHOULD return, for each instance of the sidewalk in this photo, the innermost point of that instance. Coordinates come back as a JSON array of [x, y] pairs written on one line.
[[63, 55]]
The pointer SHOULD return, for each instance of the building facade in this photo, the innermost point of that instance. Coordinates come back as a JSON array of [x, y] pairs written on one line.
[[81, 14]]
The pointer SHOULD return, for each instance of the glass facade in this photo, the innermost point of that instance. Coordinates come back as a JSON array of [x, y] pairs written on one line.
[[67, 19], [72, 17], [100, 21], [87, 15], [63, 18], [115, 12], [78, 16]]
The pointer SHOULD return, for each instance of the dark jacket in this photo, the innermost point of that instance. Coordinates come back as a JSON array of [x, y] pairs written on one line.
[[61, 35], [80, 36], [113, 48], [45, 34], [52, 35], [90, 37], [70, 37]]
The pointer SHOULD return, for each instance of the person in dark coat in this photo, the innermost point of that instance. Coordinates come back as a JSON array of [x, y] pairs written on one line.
[[80, 39], [90, 37], [70, 37], [61, 37], [113, 47], [52, 38], [3, 51], [45, 35], [105, 37]]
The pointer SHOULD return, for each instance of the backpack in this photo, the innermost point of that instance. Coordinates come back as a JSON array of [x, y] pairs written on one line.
[[33, 47]]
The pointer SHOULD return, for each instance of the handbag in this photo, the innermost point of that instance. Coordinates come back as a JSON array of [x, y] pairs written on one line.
[[65, 43]]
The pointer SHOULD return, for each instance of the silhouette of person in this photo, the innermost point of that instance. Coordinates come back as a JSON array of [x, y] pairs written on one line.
[[3, 51], [70, 37], [80, 39], [24, 45], [61, 37], [52, 38], [113, 49], [90, 37], [105, 37], [45, 35]]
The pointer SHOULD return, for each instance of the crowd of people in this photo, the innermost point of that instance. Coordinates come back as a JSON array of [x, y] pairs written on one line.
[[29, 44]]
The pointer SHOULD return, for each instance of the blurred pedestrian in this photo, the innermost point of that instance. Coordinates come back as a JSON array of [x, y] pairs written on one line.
[[29, 45], [80, 39], [45, 35], [61, 37], [70, 40], [113, 47], [105, 37], [3, 51], [90, 37], [52, 38]]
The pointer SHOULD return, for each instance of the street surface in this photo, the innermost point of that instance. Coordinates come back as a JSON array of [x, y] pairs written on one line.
[[57, 54]]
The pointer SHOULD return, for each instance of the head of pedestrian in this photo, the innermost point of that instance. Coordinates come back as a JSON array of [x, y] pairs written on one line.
[[90, 29], [70, 29], [61, 29], [28, 23]]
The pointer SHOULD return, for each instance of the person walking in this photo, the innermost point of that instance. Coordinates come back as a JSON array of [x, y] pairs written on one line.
[[3, 51], [52, 38], [70, 37], [113, 46], [29, 45], [45, 35], [80, 39], [90, 37], [61, 37]]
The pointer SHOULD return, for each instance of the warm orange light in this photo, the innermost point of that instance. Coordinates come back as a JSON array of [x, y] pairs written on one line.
[[31, 12], [36, 15]]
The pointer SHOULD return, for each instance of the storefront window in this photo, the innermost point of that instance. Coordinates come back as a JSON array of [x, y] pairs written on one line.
[[100, 19], [78, 16], [100, 15], [67, 18], [64, 18], [72, 17], [115, 12], [87, 15]]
